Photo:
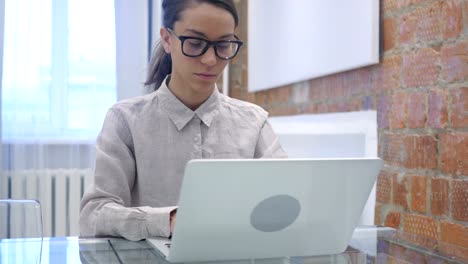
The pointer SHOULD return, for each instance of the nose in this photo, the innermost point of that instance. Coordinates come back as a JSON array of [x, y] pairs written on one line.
[[209, 58]]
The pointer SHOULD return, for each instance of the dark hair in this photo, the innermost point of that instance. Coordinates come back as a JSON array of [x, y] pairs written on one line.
[[161, 62]]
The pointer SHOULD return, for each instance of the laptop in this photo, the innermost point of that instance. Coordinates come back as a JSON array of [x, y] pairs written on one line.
[[268, 208]]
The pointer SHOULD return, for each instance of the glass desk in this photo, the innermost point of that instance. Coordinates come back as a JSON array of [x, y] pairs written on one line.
[[368, 245]]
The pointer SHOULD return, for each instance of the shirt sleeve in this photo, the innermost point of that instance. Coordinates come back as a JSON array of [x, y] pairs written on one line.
[[106, 207], [268, 145]]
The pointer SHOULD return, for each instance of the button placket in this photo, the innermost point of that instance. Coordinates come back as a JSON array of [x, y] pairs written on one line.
[[197, 148]]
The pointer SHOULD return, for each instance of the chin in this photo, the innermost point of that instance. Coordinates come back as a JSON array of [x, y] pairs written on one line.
[[205, 85], [204, 88]]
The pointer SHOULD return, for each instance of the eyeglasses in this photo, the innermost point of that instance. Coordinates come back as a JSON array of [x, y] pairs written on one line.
[[195, 47]]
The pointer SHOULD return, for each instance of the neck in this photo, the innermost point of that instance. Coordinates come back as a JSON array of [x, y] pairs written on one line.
[[188, 95]]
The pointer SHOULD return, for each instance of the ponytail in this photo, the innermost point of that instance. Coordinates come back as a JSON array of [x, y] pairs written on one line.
[[160, 67]]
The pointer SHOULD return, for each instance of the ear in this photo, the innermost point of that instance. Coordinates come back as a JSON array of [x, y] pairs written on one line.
[[165, 39]]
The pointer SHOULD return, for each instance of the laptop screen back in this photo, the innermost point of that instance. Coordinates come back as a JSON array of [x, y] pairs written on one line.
[[242, 209]]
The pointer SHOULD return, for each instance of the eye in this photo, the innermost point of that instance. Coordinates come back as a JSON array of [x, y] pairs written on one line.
[[223, 45], [196, 43]]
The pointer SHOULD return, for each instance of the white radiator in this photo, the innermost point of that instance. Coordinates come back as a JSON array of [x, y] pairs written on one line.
[[58, 191]]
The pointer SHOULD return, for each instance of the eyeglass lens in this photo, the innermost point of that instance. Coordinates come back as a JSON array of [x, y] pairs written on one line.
[[196, 47]]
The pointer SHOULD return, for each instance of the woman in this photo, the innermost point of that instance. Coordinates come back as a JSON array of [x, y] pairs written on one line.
[[146, 141]]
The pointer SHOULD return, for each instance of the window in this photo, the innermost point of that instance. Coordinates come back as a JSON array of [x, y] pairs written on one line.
[[59, 73]]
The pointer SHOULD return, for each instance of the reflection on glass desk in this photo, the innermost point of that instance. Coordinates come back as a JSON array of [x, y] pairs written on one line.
[[368, 245]]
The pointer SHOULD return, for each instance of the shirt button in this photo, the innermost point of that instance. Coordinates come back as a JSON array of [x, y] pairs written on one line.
[[196, 138]]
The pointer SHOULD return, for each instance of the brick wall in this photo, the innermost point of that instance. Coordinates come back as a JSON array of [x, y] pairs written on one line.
[[420, 92]]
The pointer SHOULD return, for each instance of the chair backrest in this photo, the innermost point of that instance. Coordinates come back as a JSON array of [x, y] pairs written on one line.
[[20, 219], [20, 231]]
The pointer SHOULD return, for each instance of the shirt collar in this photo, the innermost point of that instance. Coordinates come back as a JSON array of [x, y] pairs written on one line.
[[180, 114]]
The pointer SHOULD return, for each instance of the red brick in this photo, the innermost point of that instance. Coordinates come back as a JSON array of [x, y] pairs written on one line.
[[417, 110], [385, 258], [377, 78], [454, 240], [466, 12], [455, 252], [414, 257], [439, 197], [312, 108], [332, 107], [453, 18], [251, 97], [354, 105], [454, 153], [389, 28], [391, 72], [393, 5], [357, 81], [420, 152], [437, 112], [279, 95], [455, 61], [384, 187], [348, 105], [283, 110], [342, 106], [261, 98], [377, 212], [322, 108], [317, 89], [367, 103], [420, 225], [420, 68], [392, 145], [389, 5], [407, 29], [429, 22], [334, 85], [459, 107], [236, 77], [236, 93], [397, 252], [418, 193], [383, 109], [387, 75], [392, 219], [454, 234], [460, 200], [436, 260], [400, 190], [406, 3], [399, 111]]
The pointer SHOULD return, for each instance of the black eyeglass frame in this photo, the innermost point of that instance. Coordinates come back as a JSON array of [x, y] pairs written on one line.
[[208, 45]]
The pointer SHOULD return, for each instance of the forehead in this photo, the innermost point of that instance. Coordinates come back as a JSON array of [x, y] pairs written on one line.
[[212, 21]]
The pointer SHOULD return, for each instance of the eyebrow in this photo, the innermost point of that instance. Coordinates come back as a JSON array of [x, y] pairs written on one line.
[[196, 32]]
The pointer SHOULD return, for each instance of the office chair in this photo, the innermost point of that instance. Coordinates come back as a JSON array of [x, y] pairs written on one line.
[[21, 234]]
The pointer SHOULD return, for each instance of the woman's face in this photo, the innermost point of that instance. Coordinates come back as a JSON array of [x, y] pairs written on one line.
[[198, 74]]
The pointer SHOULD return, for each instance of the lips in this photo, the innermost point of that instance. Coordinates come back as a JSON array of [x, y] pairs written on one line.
[[205, 76]]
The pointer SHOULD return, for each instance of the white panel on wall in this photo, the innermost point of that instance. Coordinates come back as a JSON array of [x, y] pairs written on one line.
[[333, 135], [131, 26], [296, 40]]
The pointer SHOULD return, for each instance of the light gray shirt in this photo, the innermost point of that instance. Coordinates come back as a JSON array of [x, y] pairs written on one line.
[[142, 151]]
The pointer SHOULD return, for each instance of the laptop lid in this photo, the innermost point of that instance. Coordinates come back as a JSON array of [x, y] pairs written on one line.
[[268, 208]]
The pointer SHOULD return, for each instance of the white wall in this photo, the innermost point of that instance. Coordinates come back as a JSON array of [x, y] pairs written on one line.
[[3, 188], [131, 23], [296, 40], [335, 135]]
